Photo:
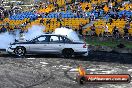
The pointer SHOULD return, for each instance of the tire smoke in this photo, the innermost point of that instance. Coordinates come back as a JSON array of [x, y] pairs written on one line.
[[36, 30], [67, 32], [7, 38]]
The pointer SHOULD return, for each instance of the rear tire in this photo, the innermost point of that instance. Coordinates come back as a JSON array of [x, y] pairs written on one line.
[[20, 51], [68, 53]]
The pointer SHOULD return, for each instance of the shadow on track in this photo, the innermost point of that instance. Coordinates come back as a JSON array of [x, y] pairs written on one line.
[[111, 57], [96, 56]]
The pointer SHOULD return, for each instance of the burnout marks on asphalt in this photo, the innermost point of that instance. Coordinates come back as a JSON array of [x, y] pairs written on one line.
[[22, 73], [58, 66]]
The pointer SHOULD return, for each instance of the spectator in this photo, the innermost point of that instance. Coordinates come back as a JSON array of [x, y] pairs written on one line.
[[126, 28], [60, 16], [3, 29], [99, 13], [84, 15], [75, 15], [92, 30], [110, 5], [48, 21], [79, 8], [73, 1], [80, 29], [0, 16], [11, 6], [78, 14], [68, 7], [106, 31], [125, 31], [115, 32], [127, 25], [89, 19], [110, 21], [92, 17], [116, 16], [73, 8], [116, 4], [87, 8], [7, 24], [6, 13], [42, 21], [121, 45], [8, 28], [106, 9], [130, 20], [124, 16], [88, 1], [75, 30], [97, 6]]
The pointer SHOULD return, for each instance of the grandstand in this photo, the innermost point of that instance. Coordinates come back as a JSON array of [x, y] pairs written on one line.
[[75, 14]]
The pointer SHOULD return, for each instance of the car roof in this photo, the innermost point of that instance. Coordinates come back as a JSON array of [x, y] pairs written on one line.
[[56, 35], [53, 34]]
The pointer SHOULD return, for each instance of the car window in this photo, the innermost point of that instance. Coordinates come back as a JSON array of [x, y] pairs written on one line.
[[66, 40], [42, 39], [54, 39], [61, 39]]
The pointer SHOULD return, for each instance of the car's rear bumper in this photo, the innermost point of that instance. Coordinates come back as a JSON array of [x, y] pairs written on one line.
[[82, 52]]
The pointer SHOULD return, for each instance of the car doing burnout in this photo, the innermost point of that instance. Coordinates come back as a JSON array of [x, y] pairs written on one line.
[[49, 44]]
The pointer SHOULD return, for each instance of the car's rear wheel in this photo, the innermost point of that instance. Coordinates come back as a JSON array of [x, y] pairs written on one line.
[[20, 51], [68, 53]]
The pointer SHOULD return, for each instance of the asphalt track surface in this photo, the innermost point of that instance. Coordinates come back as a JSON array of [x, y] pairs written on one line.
[[52, 71]]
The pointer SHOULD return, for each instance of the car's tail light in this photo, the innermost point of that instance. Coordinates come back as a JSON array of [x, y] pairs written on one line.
[[84, 46]]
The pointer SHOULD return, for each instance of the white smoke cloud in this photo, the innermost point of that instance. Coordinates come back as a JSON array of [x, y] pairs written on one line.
[[34, 31], [67, 32], [5, 40]]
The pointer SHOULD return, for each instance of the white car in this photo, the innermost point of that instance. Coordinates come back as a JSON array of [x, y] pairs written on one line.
[[49, 44]]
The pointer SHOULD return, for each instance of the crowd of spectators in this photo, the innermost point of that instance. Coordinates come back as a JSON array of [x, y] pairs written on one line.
[[103, 10], [115, 31]]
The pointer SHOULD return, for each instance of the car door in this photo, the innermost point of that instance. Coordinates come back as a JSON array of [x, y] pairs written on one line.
[[77, 46], [55, 44], [39, 44], [67, 42]]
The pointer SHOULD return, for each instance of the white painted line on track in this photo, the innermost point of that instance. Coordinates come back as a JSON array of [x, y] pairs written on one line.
[[74, 69], [130, 70], [43, 63], [54, 66], [92, 69], [30, 58], [64, 68]]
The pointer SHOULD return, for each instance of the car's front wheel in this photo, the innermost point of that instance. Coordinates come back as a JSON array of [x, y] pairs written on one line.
[[20, 51], [68, 53]]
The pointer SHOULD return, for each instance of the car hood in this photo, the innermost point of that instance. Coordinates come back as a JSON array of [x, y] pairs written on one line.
[[27, 42]]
